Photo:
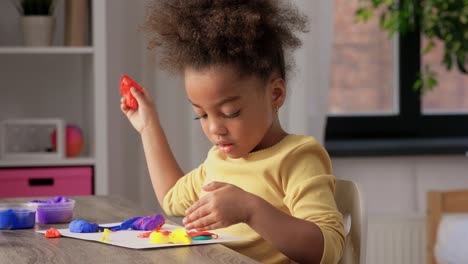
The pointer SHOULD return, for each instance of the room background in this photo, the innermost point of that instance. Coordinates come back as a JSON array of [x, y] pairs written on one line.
[[394, 187]]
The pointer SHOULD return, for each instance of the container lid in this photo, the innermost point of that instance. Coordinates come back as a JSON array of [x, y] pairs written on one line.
[[70, 203], [18, 206]]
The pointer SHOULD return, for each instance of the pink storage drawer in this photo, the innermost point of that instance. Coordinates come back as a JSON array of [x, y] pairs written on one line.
[[28, 182]]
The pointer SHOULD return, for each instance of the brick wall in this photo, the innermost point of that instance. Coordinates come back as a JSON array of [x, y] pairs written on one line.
[[362, 69]]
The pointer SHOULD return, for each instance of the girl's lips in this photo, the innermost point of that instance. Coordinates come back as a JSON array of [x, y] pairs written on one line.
[[226, 148]]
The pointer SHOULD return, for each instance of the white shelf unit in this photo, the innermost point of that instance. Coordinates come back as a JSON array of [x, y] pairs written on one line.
[[79, 161], [58, 82], [47, 50]]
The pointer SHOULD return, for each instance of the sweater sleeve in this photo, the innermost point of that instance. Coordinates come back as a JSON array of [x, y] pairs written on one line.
[[309, 194], [184, 193]]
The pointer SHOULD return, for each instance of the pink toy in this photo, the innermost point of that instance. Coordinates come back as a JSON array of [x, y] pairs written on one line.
[[73, 138]]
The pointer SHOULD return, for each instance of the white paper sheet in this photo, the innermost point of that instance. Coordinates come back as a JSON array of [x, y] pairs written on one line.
[[130, 239]]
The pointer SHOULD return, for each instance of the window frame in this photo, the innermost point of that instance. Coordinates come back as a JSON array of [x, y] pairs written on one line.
[[409, 132]]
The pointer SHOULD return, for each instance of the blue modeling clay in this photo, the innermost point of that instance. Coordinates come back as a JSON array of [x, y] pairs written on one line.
[[125, 225], [6, 219], [17, 218], [147, 223], [82, 226]]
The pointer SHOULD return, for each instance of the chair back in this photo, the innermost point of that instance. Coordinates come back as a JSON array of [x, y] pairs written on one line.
[[351, 205], [438, 204]]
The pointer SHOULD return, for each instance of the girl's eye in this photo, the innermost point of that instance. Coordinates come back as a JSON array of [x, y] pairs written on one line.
[[201, 117], [236, 114]]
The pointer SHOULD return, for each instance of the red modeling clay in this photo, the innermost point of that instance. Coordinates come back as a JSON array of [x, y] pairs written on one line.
[[202, 233], [125, 84], [165, 232], [52, 233], [147, 234]]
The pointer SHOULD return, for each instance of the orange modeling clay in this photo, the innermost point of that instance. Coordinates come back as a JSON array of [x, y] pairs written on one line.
[[125, 84], [52, 233]]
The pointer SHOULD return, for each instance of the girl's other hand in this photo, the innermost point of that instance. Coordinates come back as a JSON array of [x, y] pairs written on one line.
[[223, 205], [145, 115]]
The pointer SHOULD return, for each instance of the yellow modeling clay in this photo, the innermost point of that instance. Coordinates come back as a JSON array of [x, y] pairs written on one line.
[[104, 238], [180, 236], [158, 238]]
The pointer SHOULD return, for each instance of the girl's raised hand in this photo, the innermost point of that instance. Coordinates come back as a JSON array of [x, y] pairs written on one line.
[[145, 115], [223, 205]]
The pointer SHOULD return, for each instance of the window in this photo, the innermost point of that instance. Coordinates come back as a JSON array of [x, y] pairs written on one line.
[[362, 80], [451, 96], [373, 109]]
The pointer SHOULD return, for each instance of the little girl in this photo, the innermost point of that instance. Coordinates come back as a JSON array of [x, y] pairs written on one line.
[[258, 182]]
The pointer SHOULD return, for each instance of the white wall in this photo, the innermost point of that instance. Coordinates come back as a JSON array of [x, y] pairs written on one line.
[[398, 185], [122, 58]]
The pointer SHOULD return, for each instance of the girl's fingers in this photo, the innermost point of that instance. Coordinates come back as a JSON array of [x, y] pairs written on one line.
[[212, 186], [142, 95], [123, 107], [196, 205], [210, 227], [138, 95], [205, 223], [198, 213], [146, 94]]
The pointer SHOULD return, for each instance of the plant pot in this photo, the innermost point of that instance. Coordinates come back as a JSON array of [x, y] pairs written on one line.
[[38, 30]]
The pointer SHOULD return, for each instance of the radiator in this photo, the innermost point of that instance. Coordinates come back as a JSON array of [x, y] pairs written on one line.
[[396, 240]]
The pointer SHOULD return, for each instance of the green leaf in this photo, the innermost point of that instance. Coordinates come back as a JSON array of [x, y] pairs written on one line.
[[431, 82], [363, 14], [448, 61], [418, 84], [430, 45], [444, 21]]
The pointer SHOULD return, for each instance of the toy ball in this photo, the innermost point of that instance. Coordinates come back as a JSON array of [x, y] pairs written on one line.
[[73, 139]]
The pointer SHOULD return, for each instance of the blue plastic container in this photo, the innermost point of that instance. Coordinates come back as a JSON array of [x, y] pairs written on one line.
[[17, 215]]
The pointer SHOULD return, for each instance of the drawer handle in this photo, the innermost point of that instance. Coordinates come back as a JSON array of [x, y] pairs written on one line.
[[41, 182]]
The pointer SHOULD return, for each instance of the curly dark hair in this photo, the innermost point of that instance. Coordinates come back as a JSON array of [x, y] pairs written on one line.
[[252, 35]]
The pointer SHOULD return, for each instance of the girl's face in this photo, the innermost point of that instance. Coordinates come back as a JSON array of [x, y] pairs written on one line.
[[237, 114]]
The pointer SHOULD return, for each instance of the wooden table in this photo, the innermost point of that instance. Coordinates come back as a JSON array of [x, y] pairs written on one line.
[[28, 246]]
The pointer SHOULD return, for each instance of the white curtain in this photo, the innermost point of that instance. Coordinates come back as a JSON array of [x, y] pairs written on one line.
[[306, 107], [304, 112]]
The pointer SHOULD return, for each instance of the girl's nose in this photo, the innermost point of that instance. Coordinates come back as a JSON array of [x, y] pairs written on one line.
[[217, 127]]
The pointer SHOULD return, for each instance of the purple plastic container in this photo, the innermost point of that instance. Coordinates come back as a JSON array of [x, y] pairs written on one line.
[[53, 211]]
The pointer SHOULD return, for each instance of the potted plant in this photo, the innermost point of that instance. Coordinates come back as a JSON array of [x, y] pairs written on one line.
[[37, 21], [439, 21]]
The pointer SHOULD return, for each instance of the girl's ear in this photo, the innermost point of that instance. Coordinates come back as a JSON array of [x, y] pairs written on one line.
[[278, 91]]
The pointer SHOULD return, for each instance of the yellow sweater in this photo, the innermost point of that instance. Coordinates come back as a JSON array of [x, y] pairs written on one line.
[[294, 175]]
